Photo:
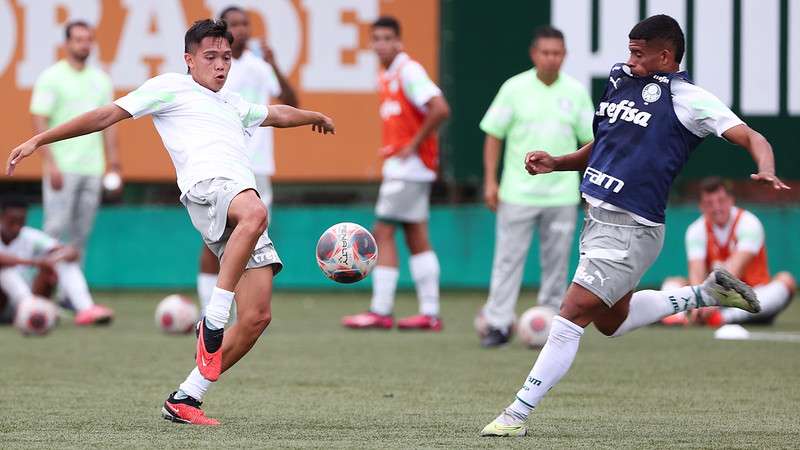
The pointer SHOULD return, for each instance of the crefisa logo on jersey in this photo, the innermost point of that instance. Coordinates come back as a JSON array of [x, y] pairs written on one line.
[[624, 110], [651, 92]]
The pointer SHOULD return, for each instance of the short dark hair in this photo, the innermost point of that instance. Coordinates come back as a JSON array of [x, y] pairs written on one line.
[[230, 9], [203, 29], [664, 28], [713, 184], [8, 203], [546, 31], [387, 22], [75, 23]]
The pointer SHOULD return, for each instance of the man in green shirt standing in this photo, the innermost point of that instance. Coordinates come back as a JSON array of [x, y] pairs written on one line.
[[73, 169], [538, 108]]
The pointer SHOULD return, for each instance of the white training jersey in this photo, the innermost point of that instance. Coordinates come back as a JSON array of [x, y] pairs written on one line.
[[204, 131], [29, 244], [749, 235], [255, 80], [419, 89], [701, 112]]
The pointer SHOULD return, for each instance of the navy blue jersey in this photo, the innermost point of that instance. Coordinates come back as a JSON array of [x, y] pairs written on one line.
[[639, 143]]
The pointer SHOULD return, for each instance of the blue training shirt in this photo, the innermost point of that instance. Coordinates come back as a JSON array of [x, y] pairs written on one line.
[[639, 143]]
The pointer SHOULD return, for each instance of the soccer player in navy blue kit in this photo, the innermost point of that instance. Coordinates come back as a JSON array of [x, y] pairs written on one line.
[[649, 120]]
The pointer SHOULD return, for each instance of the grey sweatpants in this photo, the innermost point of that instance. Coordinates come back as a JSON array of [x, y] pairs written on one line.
[[69, 212], [514, 231]]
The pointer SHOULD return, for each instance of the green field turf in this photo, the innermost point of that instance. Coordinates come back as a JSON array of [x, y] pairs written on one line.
[[311, 383]]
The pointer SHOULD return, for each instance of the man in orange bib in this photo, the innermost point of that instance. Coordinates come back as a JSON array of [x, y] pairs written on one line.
[[412, 108], [734, 238]]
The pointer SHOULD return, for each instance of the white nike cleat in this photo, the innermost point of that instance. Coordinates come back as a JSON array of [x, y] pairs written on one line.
[[505, 426], [730, 291]]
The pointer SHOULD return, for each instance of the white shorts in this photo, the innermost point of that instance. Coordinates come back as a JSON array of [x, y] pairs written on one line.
[[207, 203], [403, 201]]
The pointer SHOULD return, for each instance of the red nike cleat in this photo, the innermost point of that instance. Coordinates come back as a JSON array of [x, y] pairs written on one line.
[[186, 410], [368, 320], [94, 315], [420, 322], [676, 320], [209, 362]]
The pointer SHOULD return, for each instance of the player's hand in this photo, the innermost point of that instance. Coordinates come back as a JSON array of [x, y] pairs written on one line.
[[18, 154], [539, 162], [324, 125], [490, 197], [770, 178], [55, 176]]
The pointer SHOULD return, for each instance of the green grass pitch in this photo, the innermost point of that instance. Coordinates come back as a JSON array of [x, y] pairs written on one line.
[[309, 383]]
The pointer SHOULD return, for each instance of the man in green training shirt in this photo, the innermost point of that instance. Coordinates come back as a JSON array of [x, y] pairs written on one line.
[[73, 169], [538, 108]]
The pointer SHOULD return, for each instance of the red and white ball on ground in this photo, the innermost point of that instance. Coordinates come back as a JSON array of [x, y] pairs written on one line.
[[35, 316], [177, 314], [346, 252], [534, 326]]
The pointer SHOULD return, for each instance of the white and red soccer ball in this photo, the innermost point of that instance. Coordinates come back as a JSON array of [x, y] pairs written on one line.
[[346, 252], [533, 326], [177, 314], [35, 316]]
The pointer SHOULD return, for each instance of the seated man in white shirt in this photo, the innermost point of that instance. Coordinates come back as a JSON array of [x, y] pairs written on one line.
[[734, 238], [24, 247]]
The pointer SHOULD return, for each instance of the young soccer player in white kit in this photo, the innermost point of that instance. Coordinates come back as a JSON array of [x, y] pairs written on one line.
[[258, 80], [204, 131], [649, 120]]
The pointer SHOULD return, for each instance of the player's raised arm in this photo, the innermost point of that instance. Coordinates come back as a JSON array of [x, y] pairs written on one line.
[[760, 150], [284, 116], [539, 162], [87, 123]]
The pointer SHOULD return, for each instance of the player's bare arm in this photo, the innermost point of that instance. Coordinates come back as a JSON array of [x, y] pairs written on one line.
[[438, 112], [90, 122], [40, 125], [761, 151], [284, 116], [492, 147], [539, 162]]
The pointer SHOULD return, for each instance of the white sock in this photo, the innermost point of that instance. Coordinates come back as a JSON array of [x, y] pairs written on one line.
[[773, 297], [219, 308], [384, 285], [205, 286], [73, 283], [14, 286], [552, 364], [425, 273], [651, 306], [195, 385]]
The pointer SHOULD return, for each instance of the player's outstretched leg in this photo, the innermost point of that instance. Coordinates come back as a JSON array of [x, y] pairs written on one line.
[[719, 289], [384, 284], [254, 300], [577, 311], [248, 217]]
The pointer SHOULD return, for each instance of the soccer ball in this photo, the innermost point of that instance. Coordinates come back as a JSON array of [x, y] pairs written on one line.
[[176, 314], [346, 252], [36, 316], [534, 326]]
